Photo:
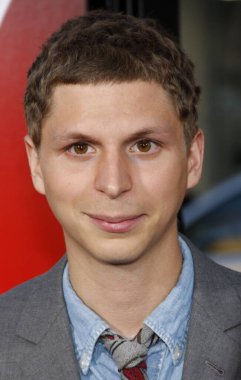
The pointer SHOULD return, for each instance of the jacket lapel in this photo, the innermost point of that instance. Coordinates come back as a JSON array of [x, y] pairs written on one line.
[[44, 326], [214, 348]]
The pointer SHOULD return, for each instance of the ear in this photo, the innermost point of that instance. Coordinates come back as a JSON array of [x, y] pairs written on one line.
[[195, 159], [34, 164]]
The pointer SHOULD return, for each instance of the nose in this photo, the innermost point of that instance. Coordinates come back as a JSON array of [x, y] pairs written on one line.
[[113, 176]]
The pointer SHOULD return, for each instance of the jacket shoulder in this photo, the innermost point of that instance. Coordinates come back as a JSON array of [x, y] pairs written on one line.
[[13, 301], [209, 269]]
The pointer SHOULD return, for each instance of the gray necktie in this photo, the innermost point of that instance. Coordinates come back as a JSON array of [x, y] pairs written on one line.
[[130, 355]]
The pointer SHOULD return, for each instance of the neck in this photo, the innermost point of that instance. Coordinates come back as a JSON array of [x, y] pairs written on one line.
[[133, 290]]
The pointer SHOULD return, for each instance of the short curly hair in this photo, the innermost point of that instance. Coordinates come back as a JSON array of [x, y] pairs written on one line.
[[111, 47]]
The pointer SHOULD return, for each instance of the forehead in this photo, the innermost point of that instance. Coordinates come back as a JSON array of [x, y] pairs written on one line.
[[119, 106]]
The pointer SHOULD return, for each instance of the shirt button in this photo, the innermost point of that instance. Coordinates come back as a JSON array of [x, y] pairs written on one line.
[[84, 361], [177, 353]]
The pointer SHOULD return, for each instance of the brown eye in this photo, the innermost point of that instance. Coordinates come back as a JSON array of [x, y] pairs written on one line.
[[80, 148], [144, 146]]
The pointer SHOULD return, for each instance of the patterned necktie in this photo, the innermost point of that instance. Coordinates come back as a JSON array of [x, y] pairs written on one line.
[[130, 355]]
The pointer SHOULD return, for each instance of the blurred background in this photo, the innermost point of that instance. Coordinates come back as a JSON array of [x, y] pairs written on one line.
[[210, 32]]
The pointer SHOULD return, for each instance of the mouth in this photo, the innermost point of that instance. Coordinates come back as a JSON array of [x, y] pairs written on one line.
[[117, 224]]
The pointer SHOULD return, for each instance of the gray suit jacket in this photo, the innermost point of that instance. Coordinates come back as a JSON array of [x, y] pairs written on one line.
[[35, 336]]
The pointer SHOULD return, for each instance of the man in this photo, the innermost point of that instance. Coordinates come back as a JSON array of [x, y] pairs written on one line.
[[113, 144]]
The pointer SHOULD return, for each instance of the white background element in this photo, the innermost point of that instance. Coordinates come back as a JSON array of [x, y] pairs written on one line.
[[4, 5]]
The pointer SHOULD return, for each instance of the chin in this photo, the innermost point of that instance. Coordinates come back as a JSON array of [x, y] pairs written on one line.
[[121, 261], [118, 260]]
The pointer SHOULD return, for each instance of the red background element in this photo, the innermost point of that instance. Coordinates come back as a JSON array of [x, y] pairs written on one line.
[[31, 240]]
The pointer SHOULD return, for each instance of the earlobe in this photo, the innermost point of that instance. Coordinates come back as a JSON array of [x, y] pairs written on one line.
[[195, 159], [34, 164]]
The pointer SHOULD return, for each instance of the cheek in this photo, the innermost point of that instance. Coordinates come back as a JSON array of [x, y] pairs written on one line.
[[65, 182], [59, 190], [167, 177]]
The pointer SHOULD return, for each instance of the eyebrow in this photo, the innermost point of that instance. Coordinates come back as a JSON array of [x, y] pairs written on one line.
[[75, 136]]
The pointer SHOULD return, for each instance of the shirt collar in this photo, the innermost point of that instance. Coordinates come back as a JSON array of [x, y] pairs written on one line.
[[86, 325], [169, 320]]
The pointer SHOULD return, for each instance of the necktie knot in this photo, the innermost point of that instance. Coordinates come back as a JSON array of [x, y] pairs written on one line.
[[130, 355]]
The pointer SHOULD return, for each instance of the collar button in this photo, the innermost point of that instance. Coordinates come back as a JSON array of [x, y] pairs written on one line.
[[84, 361], [177, 353]]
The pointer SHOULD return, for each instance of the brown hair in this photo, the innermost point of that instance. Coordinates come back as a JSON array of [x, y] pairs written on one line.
[[109, 47]]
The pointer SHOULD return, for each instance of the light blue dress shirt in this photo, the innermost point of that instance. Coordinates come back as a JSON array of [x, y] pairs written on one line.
[[169, 321]]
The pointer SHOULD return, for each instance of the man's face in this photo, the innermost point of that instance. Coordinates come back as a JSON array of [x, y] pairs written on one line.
[[114, 167]]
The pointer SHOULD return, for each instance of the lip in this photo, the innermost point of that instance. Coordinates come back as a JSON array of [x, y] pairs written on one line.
[[115, 224]]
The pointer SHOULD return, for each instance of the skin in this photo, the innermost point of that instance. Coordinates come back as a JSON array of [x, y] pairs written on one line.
[[114, 167]]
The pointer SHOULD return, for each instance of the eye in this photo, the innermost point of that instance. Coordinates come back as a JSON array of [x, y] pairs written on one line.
[[80, 148], [145, 146]]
